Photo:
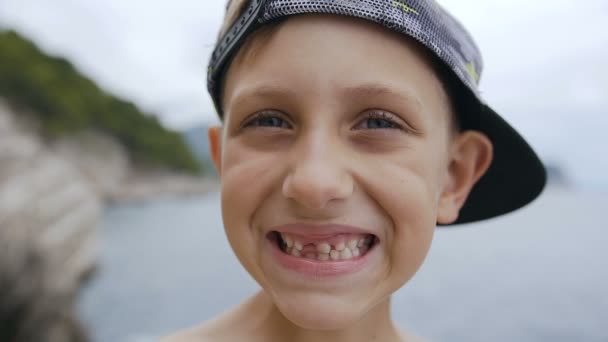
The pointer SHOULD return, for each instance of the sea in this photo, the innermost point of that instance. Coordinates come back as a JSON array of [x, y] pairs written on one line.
[[539, 274]]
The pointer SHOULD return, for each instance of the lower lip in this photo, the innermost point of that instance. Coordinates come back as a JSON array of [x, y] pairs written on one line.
[[316, 268]]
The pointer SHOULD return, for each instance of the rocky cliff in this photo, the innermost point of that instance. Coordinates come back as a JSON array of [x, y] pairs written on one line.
[[46, 198], [51, 196], [48, 214]]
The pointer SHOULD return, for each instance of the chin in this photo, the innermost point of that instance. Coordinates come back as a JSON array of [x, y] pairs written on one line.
[[320, 311]]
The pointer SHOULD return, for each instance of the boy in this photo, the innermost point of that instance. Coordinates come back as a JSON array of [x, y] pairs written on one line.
[[350, 130]]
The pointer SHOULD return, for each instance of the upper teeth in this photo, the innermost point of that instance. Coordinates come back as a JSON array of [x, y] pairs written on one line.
[[288, 241], [324, 248], [341, 250], [352, 244], [298, 245]]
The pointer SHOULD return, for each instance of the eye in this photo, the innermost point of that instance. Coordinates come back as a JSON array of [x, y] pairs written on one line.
[[379, 120], [270, 119]]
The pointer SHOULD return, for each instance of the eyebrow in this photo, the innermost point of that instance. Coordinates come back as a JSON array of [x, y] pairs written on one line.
[[263, 91], [372, 90], [382, 91]]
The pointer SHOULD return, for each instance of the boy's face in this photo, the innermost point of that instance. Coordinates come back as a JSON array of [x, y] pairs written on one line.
[[335, 129]]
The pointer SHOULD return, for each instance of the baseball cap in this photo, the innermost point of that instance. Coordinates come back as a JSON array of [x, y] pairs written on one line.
[[516, 175]]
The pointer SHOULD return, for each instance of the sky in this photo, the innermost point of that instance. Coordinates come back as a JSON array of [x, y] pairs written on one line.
[[545, 63]]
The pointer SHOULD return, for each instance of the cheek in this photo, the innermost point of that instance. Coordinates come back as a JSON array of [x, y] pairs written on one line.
[[245, 179], [245, 182], [406, 190]]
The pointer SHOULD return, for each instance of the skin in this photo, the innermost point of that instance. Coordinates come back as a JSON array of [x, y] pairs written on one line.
[[335, 120]]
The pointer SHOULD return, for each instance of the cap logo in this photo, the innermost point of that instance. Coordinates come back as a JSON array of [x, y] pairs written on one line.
[[472, 71], [404, 7]]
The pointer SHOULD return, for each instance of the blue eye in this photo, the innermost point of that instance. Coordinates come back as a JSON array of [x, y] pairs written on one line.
[[267, 119], [374, 123], [379, 120]]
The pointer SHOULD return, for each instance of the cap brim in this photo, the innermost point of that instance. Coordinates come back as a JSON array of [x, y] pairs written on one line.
[[515, 177]]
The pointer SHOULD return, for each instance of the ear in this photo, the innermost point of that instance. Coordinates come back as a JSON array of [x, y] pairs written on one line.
[[470, 157], [215, 147]]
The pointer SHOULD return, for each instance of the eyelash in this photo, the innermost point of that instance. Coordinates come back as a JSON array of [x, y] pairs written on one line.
[[264, 115], [382, 115], [370, 115]]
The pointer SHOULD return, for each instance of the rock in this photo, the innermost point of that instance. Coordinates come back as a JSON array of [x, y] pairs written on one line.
[[48, 215], [102, 161], [30, 308]]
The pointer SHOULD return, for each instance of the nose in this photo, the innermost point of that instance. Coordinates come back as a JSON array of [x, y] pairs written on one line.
[[317, 175]]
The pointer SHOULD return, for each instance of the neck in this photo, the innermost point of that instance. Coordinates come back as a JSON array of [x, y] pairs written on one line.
[[271, 325]]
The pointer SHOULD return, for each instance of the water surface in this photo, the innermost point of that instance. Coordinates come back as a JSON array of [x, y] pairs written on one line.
[[536, 275]]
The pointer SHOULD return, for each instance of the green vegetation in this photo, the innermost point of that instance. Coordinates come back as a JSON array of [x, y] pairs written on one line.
[[67, 102]]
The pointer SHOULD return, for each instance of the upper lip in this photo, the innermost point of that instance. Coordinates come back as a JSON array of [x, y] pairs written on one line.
[[319, 231]]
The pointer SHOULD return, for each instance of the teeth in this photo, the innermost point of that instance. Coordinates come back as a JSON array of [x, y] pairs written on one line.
[[298, 245], [323, 251], [346, 254], [311, 255], [288, 240], [340, 246], [323, 247]]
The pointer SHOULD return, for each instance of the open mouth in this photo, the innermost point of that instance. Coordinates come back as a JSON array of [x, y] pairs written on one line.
[[334, 248]]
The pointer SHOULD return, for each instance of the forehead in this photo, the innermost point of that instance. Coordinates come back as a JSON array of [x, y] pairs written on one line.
[[328, 56]]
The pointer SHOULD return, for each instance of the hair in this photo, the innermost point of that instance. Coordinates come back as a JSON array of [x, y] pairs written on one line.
[[457, 98]]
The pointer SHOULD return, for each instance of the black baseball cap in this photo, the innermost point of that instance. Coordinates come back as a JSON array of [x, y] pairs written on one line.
[[516, 175]]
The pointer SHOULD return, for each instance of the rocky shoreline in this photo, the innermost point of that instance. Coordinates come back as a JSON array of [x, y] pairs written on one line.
[[52, 194], [48, 215], [105, 165]]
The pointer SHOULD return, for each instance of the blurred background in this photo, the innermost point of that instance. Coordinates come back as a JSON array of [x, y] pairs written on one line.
[[110, 226]]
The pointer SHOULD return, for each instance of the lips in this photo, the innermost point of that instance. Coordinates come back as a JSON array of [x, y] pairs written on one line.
[[321, 250]]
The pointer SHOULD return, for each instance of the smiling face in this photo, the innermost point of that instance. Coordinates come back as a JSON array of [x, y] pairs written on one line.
[[337, 130]]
